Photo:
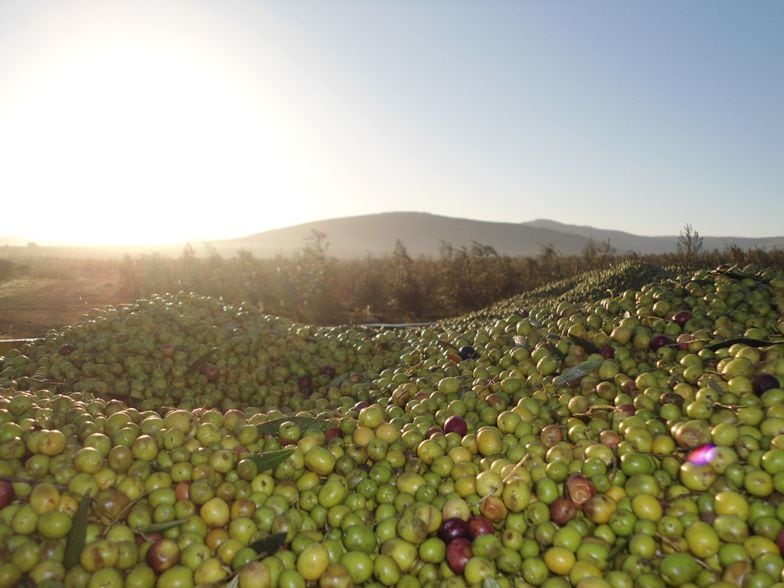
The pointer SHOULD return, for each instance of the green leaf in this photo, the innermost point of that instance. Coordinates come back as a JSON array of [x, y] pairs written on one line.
[[77, 536], [270, 459], [577, 372], [737, 274], [490, 583], [714, 385], [337, 381], [196, 365], [269, 545], [161, 527], [559, 355], [744, 340], [585, 344], [303, 422]]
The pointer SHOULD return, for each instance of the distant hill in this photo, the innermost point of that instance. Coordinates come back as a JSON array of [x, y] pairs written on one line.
[[624, 242], [423, 233], [620, 240]]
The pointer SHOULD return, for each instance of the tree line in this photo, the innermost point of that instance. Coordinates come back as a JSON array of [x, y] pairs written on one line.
[[315, 287]]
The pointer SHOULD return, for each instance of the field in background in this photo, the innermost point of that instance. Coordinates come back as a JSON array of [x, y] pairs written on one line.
[[41, 292], [46, 293]]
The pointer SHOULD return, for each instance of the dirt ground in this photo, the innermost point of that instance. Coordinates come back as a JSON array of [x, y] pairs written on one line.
[[29, 307]]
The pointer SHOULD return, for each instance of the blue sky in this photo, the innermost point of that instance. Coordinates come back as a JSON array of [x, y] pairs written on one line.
[[167, 121]]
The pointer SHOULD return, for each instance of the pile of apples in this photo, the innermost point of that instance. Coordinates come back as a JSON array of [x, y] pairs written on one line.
[[633, 439]]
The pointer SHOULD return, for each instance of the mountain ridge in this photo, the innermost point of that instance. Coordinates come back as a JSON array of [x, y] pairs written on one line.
[[424, 233], [628, 242]]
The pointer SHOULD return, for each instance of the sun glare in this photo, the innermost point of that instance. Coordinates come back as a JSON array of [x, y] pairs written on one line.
[[130, 143]]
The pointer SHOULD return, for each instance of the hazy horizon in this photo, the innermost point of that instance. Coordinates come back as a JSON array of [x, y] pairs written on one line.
[[367, 225], [172, 121]]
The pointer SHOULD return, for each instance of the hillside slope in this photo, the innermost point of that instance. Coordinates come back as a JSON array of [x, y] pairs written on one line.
[[421, 233]]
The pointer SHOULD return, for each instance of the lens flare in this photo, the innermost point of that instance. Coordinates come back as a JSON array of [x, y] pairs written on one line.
[[703, 455]]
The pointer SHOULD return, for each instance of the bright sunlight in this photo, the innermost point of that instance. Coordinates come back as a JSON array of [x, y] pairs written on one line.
[[155, 130]]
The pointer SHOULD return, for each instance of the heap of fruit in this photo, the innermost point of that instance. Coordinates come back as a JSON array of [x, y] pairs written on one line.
[[629, 439], [589, 286], [193, 351]]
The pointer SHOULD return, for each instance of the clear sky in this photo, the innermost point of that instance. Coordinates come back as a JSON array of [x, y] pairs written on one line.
[[165, 121]]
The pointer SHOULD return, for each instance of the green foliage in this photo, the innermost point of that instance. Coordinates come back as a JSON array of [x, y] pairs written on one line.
[[269, 460], [316, 288], [77, 536]]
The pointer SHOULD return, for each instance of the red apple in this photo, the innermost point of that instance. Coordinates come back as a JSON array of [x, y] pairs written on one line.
[[684, 340], [606, 352], [333, 432], [458, 552], [66, 349], [763, 382], [7, 493], [562, 510], [682, 317], [610, 438], [453, 528], [658, 341], [305, 382], [210, 371], [162, 555], [579, 488], [479, 525], [456, 424], [182, 490], [780, 541], [551, 434]]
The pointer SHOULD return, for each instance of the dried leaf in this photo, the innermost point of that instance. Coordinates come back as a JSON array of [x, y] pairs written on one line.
[[585, 344], [269, 545], [77, 536], [196, 365], [577, 372], [270, 459], [737, 274], [744, 340]]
